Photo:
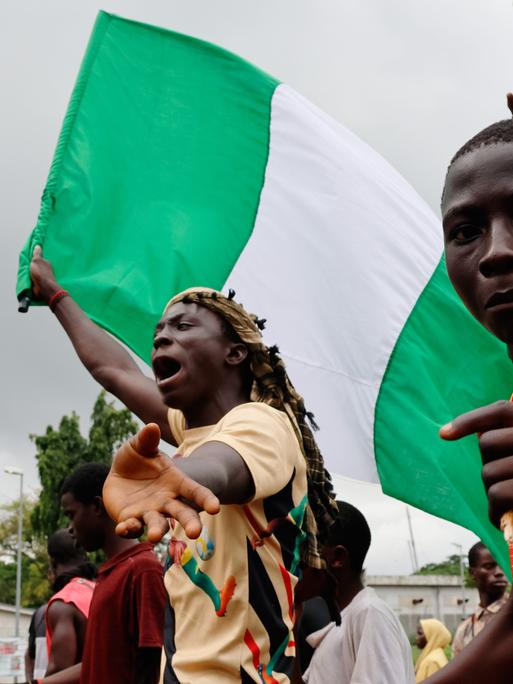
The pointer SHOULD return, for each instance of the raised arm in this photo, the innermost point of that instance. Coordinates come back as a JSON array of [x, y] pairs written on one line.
[[105, 358]]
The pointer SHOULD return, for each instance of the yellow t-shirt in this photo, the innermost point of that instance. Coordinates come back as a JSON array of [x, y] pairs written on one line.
[[231, 591]]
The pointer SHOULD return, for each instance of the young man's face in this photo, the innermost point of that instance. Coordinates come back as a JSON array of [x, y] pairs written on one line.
[[190, 355], [477, 211], [84, 522], [488, 576]]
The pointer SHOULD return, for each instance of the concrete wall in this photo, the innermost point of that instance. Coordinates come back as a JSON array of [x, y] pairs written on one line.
[[414, 597], [8, 621]]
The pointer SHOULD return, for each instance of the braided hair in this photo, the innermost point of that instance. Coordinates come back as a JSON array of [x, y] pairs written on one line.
[[271, 385]]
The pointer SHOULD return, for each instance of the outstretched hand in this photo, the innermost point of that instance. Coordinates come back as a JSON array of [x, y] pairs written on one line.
[[44, 284], [493, 425], [145, 487]]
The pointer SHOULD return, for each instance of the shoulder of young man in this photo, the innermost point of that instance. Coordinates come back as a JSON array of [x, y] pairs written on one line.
[[370, 607]]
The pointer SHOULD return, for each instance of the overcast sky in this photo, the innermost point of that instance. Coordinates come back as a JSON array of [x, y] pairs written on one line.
[[412, 79]]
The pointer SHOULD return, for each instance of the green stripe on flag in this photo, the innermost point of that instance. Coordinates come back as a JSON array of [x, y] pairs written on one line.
[[157, 175], [435, 373]]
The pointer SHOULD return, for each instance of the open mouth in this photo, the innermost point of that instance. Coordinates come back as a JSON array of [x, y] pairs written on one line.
[[165, 369], [500, 298]]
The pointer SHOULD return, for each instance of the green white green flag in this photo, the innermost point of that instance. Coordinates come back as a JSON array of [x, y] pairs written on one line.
[[180, 164]]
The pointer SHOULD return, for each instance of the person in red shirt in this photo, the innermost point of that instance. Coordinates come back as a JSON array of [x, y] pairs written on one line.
[[124, 633]]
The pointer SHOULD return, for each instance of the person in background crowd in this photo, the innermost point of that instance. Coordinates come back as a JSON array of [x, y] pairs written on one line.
[[124, 632], [369, 646], [491, 583], [432, 637], [36, 655], [68, 609]]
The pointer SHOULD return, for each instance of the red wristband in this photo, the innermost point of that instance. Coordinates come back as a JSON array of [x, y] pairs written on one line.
[[56, 298]]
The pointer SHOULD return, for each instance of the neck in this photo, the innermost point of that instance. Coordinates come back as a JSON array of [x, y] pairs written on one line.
[[347, 589], [112, 544], [210, 411], [485, 599]]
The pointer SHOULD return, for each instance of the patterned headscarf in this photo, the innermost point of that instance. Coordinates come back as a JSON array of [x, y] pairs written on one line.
[[271, 385]]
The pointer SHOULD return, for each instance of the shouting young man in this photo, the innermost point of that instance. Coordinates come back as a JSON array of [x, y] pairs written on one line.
[[248, 460]]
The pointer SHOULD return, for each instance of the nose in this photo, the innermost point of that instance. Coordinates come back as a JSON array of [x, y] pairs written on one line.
[[161, 338], [497, 259], [499, 573]]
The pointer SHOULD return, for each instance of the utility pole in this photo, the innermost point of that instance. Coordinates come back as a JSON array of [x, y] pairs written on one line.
[[412, 542], [17, 471], [462, 580]]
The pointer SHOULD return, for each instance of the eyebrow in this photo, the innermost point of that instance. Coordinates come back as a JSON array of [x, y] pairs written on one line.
[[461, 209], [169, 320]]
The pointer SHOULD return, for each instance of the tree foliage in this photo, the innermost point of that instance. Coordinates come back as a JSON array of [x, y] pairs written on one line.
[[35, 587], [450, 566], [61, 450]]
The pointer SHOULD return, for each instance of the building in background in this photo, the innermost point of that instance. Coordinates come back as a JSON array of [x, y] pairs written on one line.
[[413, 597]]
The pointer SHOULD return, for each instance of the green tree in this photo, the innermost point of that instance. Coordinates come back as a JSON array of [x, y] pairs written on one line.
[[450, 566], [35, 587], [61, 450]]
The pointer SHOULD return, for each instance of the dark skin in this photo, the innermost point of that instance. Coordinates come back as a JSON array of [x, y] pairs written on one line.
[[420, 638], [339, 574], [199, 370], [67, 625], [478, 232], [489, 578]]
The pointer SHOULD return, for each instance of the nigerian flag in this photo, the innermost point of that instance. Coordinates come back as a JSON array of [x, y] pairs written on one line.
[[180, 164]]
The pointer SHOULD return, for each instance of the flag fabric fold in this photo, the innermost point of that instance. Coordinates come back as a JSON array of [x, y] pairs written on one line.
[[180, 164]]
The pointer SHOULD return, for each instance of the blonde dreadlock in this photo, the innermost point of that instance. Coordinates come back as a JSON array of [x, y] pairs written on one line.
[[271, 385]]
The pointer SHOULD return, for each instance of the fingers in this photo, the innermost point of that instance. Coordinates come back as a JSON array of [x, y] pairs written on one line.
[[187, 517], [146, 441], [509, 98], [491, 417], [499, 500], [199, 495], [38, 252], [496, 444], [157, 524], [132, 528]]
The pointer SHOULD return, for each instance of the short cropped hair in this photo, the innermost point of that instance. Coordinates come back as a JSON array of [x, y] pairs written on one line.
[[62, 548], [475, 552], [498, 132], [86, 482], [351, 530]]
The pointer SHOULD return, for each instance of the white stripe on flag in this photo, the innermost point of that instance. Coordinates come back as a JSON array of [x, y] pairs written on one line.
[[341, 249]]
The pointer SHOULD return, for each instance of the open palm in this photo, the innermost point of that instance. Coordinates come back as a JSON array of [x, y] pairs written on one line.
[[145, 487]]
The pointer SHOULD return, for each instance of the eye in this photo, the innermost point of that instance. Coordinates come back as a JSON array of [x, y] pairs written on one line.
[[183, 326], [465, 233]]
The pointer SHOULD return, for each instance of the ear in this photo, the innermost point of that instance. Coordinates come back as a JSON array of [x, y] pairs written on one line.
[[98, 506], [339, 557], [237, 354]]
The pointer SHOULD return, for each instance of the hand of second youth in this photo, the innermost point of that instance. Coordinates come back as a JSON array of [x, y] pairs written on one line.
[[494, 426], [145, 487]]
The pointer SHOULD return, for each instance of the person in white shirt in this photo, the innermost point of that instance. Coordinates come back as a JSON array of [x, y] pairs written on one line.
[[369, 646]]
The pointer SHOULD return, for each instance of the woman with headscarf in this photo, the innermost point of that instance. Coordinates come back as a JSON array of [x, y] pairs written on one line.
[[432, 637]]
